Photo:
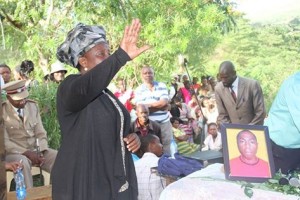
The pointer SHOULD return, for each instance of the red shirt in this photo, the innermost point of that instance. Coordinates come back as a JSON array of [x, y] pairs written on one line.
[[259, 169], [125, 98]]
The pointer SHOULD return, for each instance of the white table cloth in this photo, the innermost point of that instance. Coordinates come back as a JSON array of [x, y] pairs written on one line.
[[210, 184]]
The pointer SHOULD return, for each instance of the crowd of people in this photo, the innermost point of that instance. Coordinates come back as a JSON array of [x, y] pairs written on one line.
[[102, 129], [191, 104], [153, 109]]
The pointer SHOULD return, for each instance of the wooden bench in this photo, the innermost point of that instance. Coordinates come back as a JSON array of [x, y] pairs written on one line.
[[36, 193]]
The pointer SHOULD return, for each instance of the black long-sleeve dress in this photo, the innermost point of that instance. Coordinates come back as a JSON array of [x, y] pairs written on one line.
[[93, 162]]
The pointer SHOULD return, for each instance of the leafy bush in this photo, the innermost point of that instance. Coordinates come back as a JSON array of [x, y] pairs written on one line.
[[273, 185], [45, 96]]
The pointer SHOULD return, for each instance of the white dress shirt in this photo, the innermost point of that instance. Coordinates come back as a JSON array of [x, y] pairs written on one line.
[[234, 86]]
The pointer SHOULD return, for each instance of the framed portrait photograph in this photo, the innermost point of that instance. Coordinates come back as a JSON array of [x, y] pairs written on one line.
[[247, 152]]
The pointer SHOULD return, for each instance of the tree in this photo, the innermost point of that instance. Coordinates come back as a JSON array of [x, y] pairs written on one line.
[[173, 26]]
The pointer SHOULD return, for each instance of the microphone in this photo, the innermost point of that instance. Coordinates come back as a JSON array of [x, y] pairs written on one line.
[[289, 180], [294, 182], [185, 61]]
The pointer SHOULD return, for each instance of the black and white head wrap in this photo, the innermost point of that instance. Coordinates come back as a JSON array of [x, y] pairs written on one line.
[[79, 40]]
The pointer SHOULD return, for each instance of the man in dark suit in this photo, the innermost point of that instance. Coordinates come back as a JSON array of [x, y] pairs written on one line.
[[239, 100]]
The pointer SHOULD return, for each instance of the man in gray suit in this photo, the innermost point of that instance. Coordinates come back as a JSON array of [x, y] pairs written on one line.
[[239, 100]]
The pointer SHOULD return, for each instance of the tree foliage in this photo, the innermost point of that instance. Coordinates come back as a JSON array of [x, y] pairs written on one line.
[[34, 29], [45, 96]]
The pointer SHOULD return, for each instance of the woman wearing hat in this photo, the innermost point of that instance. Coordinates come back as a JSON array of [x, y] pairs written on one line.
[[94, 160], [58, 72]]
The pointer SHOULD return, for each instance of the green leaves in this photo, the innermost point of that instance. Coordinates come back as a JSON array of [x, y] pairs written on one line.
[[45, 96], [273, 184], [248, 189], [171, 27]]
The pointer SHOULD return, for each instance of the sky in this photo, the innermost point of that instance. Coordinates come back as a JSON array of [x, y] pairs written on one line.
[[269, 10]]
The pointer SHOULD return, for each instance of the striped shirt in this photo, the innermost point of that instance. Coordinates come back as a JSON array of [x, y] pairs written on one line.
[[143, 95]]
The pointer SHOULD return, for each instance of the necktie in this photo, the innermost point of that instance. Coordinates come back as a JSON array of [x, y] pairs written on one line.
[[233, 93], [19, 114]]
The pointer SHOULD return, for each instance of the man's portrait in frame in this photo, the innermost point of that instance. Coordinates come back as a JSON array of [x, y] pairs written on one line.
[[247, 153]]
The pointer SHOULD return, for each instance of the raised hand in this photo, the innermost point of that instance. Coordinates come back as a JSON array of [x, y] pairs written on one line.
[[130, 39]]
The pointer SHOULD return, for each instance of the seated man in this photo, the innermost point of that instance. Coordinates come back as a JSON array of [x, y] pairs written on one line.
[[143, 126], [150, 185], [24, 132]]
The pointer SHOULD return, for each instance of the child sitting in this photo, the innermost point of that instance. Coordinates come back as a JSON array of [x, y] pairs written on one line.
[[183, 146], [150, 184], [213, 141]]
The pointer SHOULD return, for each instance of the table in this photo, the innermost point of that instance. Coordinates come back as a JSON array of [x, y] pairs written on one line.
[[36, 193], [209, 183], [209, 156]]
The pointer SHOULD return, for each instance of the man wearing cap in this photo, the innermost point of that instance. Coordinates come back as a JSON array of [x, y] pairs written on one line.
[[24, 133], [58, 72]]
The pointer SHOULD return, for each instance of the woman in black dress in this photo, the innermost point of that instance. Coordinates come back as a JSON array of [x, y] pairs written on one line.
[[94, 160]]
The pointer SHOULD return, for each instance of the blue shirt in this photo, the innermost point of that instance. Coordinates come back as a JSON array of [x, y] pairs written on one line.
[[143, 95], [284, 116]]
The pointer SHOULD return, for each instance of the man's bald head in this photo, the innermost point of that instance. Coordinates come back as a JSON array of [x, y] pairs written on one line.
[[142, 113], [227, 65], [140, 107], [227, 73]]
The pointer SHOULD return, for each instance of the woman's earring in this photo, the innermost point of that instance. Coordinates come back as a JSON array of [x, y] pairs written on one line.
[[85, 69]]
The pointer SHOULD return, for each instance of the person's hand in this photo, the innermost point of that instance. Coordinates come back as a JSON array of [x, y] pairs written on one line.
[[36, 160], [131, 83], [130, 39], [133, 142], [13, 166], [183, 138]]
